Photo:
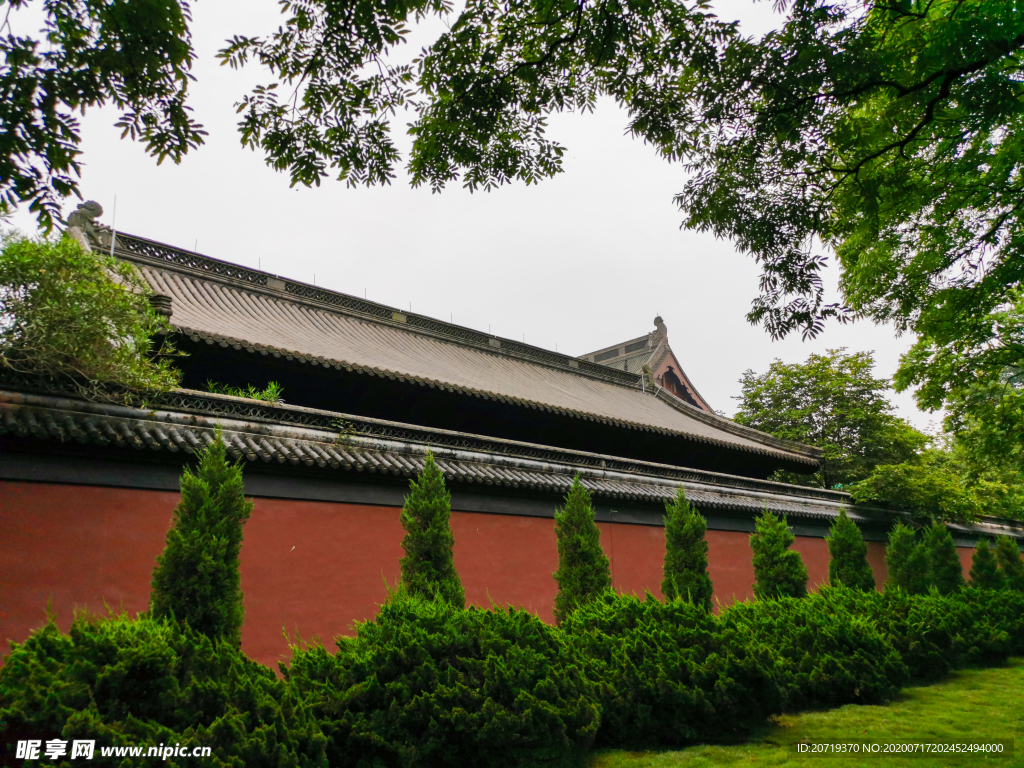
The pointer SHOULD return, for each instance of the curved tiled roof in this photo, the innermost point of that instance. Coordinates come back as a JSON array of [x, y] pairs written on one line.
[[362, 448], [233, 306], [65, 419]]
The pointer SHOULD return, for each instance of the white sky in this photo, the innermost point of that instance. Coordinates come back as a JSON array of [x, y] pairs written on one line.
[[579, 262]]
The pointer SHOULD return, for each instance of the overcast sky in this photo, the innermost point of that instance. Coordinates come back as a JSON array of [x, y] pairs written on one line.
[[575, 263]]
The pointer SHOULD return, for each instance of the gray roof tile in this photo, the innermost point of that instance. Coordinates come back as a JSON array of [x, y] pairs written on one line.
[[246, 315]]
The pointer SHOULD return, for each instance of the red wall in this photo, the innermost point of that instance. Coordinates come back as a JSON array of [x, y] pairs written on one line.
[[312, 568], [76, 546], [876, 559]]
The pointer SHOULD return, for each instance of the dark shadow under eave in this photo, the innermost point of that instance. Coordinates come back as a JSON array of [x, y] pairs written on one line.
[[411, 403]]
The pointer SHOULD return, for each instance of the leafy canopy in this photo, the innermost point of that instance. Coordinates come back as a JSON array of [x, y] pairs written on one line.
[[133, 54], [834, 402], [80, 317], [945, 482], [930, 487], [975, 367]]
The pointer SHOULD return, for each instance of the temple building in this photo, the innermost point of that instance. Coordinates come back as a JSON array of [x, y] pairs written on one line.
[[87, 488], [653, 355]]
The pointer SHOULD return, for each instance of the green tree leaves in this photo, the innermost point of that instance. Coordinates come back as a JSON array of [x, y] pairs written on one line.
[[685, 571], [583, 569], [932, 486], [834, 402], [848, 555], [906, 561], [133, 54], [428, 568], [196, 579], [945, 568], [80, 317], [890, 131], [1010, 563], [985, 572], [778, 570], [919, 561]]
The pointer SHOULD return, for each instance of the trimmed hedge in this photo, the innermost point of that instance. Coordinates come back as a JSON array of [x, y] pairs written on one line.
[[126, 682], [668, 674], [671, 673], [428, 684], [825, 654], [936, 633]]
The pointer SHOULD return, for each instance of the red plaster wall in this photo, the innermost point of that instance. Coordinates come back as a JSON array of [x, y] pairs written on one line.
[[966, 554], [815, 556], [876, 559], [730, 566], [79, 546], [636, 553], [312, 568], [506, 560]]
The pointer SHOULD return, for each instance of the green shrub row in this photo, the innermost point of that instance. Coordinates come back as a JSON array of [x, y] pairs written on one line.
[[131, 681], [426, 683]]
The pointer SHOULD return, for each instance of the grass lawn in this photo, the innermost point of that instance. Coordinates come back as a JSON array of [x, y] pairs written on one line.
[[972, 704]]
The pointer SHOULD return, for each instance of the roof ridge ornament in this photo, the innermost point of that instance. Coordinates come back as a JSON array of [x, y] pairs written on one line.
[[83, 227], [660, 329]]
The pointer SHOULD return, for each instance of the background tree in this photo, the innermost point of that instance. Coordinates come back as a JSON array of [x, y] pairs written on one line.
[[133, 54], [949, 480], [932, 487], [583, 569], [778, 570], [848, 555], [685, 571], [1010, 563], [985, 568], [907, 561], [834, 402], [80, 317], [196, 578], [428, 568], [864, 126], [857, 127], [946, 570]]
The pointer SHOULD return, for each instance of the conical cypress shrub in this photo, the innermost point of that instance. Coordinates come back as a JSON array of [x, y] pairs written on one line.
[[428, 568], [907, 561], [685, 573], [947, 571], [1010, 564], [848, 555], [583, 571], [985, 568], [196, 578], [778, 570]]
